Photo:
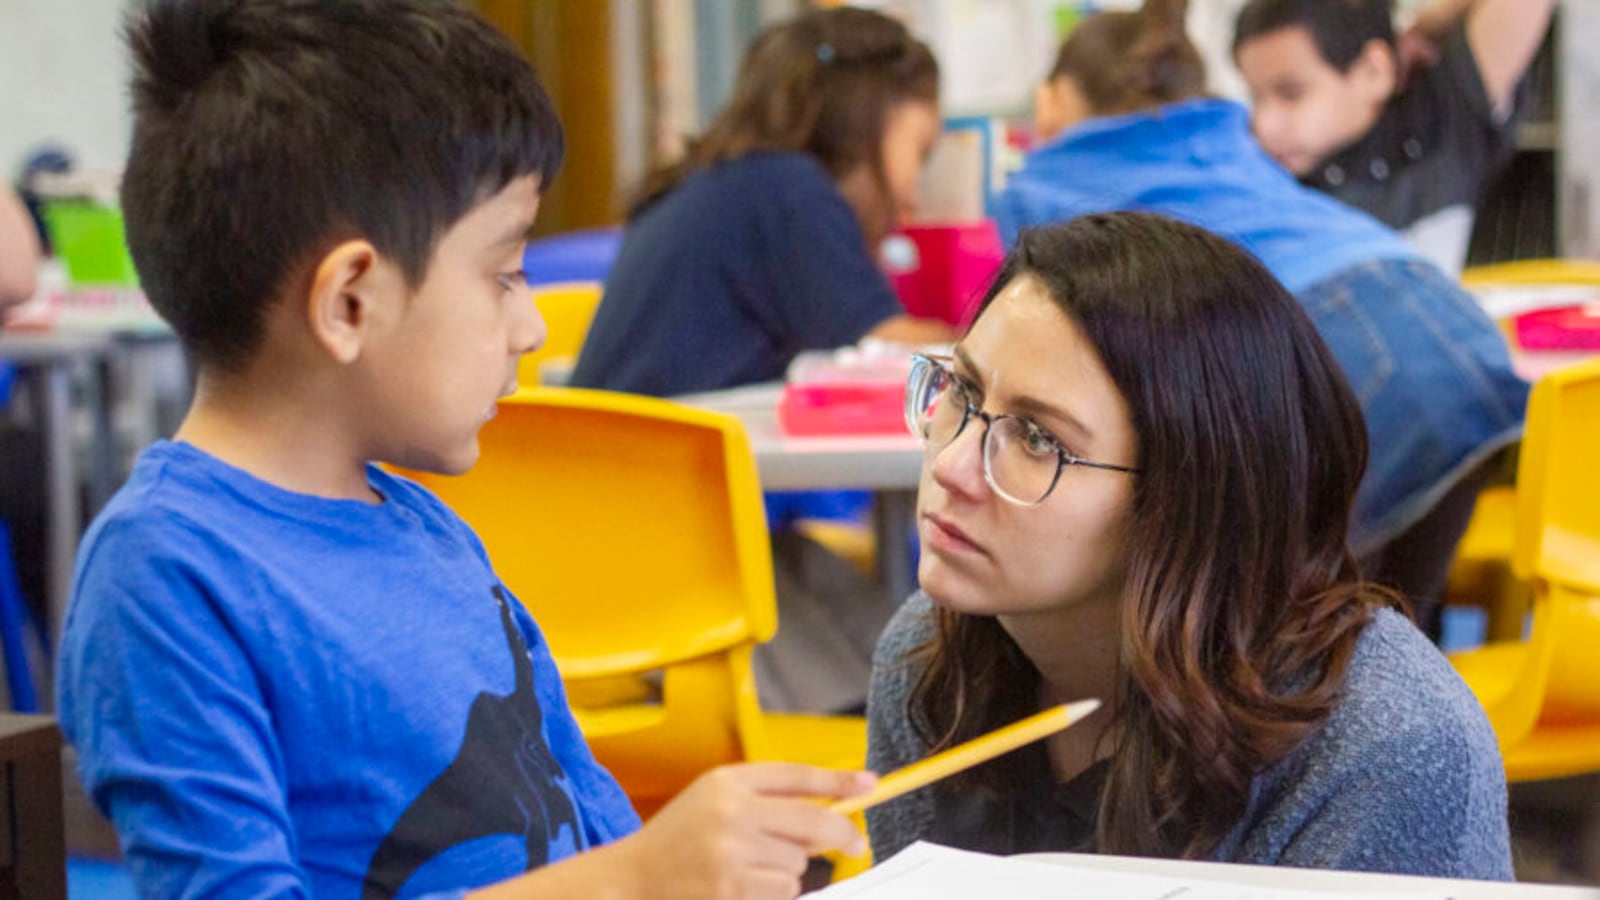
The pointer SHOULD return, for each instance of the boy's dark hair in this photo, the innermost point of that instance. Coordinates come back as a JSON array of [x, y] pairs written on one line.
[[267, 131], [1339, 28]]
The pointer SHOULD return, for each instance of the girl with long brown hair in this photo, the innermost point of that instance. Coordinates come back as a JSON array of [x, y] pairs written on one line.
[[760, 242], [1126, 125], [1140, 465]]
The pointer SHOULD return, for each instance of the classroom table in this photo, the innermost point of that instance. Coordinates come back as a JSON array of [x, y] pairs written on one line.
[[1353, 883], [887, 465], [51, 360], [102, 355]]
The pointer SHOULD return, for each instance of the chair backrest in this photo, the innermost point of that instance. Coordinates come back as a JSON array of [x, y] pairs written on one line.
[[1558, 487], [1558, 536], [633, 530], [567, 309]]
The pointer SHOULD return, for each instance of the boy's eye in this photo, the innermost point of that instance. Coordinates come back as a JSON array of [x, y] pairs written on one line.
[[512, 281]]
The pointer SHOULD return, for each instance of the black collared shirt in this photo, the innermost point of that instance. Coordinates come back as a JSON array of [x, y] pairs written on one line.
[[1423, 167]]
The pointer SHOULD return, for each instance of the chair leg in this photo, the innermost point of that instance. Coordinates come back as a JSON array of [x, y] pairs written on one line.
[[13, 631]]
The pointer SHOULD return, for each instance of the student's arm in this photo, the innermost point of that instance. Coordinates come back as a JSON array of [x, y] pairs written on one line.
[[737, 832], [1504, 36], [19, 250]]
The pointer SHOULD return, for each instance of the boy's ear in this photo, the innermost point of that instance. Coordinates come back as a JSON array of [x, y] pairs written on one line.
[[348, 291], [1376, 72]]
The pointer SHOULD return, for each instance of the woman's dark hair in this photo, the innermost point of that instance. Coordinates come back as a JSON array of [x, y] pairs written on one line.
[[1340, 29], [266, 131], [1242, 604], [823, 84], [1127, 61]]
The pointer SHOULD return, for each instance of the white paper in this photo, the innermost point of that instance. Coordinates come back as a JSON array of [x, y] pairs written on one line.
[[926, 871]]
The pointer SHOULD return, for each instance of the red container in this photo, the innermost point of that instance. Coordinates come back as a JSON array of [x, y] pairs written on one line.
[[950, 271], [843, 408], [1561, 328]]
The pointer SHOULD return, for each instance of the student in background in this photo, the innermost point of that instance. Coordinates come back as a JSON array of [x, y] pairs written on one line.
[[286, 671], [1431, 371], [19, 250], [1409, 131], [1140, 463], [760, 243]]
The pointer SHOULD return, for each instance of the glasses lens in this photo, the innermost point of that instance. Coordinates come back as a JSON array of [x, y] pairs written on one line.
[[933, 408], [1022, 462], [919, 391]]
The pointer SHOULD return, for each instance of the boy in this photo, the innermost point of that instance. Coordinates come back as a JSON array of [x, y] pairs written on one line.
[[287, 672], [1334, 104]]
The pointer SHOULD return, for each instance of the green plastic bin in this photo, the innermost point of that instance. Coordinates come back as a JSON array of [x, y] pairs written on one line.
[[89, 239]]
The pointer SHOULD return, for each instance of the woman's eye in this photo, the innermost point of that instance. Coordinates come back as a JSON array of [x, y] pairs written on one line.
[[962, 391], [1038, 442]]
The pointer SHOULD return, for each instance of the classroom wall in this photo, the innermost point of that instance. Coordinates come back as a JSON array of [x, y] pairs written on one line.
[[63, 73]]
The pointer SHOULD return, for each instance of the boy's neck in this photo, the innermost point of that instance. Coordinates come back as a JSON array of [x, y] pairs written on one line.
[[275, 433]]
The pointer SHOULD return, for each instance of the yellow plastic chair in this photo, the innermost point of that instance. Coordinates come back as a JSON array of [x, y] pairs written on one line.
[[634, 531], [1543, 694], [567, 309], [1481, 571]]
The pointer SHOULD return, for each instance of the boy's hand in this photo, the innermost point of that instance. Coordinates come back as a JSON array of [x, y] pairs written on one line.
[[745, 831]]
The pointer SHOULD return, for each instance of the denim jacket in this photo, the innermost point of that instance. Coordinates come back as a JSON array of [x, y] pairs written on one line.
[[1432, 371]]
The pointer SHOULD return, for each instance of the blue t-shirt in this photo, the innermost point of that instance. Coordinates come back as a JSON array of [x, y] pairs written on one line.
[[274, 694], [729, 276], [1197, 161]]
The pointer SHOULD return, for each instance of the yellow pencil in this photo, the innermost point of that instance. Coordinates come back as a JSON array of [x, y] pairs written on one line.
[[964, 756]]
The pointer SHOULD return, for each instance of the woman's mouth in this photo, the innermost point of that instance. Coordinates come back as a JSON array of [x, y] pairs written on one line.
[[945, 536]]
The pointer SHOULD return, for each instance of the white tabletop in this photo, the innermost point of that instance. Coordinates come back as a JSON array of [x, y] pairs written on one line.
[[786, 463], [1354, 883]]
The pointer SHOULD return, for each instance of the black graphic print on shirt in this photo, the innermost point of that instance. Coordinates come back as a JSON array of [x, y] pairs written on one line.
[[504, 780]]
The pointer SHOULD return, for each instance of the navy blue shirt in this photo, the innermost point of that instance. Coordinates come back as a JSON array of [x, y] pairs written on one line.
[[729, 276]]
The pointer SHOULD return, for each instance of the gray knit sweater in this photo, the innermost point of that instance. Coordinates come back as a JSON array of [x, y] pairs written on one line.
[[1403, 777]]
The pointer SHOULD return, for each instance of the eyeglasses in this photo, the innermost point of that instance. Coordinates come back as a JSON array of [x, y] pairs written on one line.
[[1021, 461]]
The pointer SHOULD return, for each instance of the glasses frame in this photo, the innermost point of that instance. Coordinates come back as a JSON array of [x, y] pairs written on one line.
[[925, 366]]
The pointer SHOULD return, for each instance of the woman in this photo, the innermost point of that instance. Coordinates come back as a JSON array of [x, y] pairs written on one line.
[[1127, 127], [760, 243], [1140, 465]]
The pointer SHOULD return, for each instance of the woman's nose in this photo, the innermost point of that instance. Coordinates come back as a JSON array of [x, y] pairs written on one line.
[[958, 466]]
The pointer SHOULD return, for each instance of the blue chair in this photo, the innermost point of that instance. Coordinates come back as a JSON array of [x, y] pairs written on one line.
[[15, 619], [576, 256], [15, 622]]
